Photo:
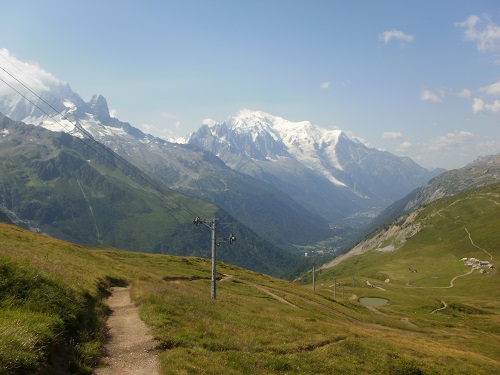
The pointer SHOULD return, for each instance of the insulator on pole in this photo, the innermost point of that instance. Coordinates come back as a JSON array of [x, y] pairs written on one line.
[[215, 242]]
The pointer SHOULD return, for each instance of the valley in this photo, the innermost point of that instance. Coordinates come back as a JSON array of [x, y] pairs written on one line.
[[252, 166], [250, 187], [405, 259], [433, 322], [98, 164], [435, 271]]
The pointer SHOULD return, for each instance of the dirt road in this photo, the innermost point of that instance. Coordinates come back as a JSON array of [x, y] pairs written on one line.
[[130, 347]]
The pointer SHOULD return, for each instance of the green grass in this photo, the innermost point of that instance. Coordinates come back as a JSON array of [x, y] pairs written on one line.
[[471, 321], [260, 324], [25, 335], [51, 301]]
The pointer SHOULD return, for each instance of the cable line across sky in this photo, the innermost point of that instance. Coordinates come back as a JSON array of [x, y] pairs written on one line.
[[127, 168]]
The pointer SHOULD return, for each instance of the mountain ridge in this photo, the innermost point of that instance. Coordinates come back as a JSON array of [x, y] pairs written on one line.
[[348, 176], [482, 172], [318, 178], [187, 168], [57, 184]]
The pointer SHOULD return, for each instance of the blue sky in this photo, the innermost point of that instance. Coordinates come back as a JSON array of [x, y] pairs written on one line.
[[416, 78]]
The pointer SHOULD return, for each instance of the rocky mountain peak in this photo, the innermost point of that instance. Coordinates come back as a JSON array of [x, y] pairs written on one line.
[[99, 107]]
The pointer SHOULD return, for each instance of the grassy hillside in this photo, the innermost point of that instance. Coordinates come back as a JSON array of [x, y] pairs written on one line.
[[482, 172], [260, 324], [86, 195], [431, 243], [50, 295]]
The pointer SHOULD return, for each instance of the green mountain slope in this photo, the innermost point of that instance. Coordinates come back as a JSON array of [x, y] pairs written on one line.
[[4, 218], [438, 265], [59, 185], [185, 168], [438, 229], [258, 324], [51, 309], [482, 172], [200, 174]]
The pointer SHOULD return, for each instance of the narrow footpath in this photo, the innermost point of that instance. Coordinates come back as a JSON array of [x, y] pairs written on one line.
[[445, 305], [130, 348]]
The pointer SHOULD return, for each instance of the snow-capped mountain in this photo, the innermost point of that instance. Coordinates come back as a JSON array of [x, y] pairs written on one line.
[[267, 137], [188, 168], [325, 170], [55, 184], [252, 166], [61, 109]]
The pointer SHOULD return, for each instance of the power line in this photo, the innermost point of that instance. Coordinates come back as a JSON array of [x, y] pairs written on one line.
[[140, 177], [212, 224], [78, 126], [143, 179]]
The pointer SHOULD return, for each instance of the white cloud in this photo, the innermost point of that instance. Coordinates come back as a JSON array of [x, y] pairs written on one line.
[[29, 73], [113, 112], [157, 131], [168, 116], [434, 97], [465, 93], [168, 122], [208, 121], [480, 105], [403, 147], [171, 117], [493, 89], [387, 36], [488, 147], [487, 38], [354, 136], [452, 150], [451, 140], [392, 135], [325, 85]]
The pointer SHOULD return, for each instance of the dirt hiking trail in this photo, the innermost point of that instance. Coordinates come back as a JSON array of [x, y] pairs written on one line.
[[130, 348]]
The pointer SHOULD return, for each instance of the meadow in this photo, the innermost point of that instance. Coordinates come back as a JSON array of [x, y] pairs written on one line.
[[53, 305]]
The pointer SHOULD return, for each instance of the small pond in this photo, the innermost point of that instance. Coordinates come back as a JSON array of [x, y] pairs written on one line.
[[373, 301]]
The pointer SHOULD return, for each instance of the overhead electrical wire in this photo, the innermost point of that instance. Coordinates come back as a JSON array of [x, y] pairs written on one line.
[[144, 180], [64, 117]]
